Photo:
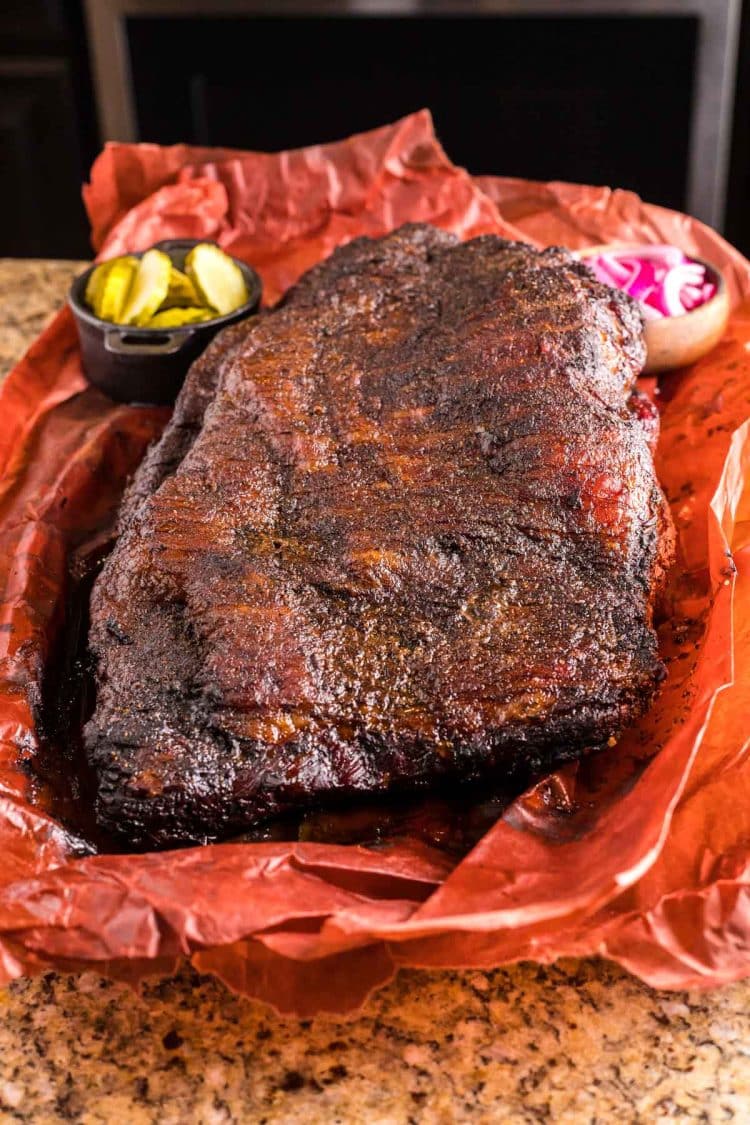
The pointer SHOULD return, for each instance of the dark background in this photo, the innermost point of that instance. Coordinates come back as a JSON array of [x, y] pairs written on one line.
[[602, 100]]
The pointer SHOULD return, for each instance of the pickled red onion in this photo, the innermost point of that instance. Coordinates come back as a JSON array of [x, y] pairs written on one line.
[[662, 278]]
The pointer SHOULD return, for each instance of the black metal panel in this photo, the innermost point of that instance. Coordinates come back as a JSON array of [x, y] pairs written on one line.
[[32, 20], [598, 100], [738, 196], [40, 206], [48, 134]]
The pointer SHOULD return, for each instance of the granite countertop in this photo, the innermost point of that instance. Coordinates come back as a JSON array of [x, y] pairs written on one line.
[[577, 1042]]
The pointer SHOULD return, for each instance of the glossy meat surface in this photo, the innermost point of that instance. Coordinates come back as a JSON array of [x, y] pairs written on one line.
[[404, 528]]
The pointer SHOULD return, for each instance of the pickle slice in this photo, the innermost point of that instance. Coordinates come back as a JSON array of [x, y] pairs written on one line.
[[150, 287], [217, 278], [115, 289], [181, 291], [95, 283], [173, 318]]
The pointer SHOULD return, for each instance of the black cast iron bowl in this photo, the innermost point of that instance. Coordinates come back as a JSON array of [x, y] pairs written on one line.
[[149, 365]]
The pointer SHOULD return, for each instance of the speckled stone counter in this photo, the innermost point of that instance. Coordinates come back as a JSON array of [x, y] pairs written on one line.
[[576, 1043]]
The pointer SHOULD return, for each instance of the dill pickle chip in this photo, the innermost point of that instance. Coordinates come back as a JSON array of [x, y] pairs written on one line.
[[95, 283], [217, 278], [97, 277], [173, 318], [181, 291], [115, 289], [150, 287]]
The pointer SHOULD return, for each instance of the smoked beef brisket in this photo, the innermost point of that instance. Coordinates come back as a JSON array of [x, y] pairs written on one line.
[[403, 528]]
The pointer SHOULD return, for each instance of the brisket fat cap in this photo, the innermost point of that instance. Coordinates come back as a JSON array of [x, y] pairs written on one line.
[[404, 527]]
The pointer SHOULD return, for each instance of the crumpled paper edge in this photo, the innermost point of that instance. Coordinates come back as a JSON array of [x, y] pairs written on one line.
[[394, 932]]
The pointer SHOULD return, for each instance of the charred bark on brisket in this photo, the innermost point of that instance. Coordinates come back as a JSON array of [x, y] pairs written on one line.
[[403, 528]]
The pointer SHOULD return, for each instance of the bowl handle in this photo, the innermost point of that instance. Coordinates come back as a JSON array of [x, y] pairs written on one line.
[[116, 341]]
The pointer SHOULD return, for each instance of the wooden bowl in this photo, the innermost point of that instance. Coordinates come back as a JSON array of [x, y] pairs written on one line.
[[676, 341]]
